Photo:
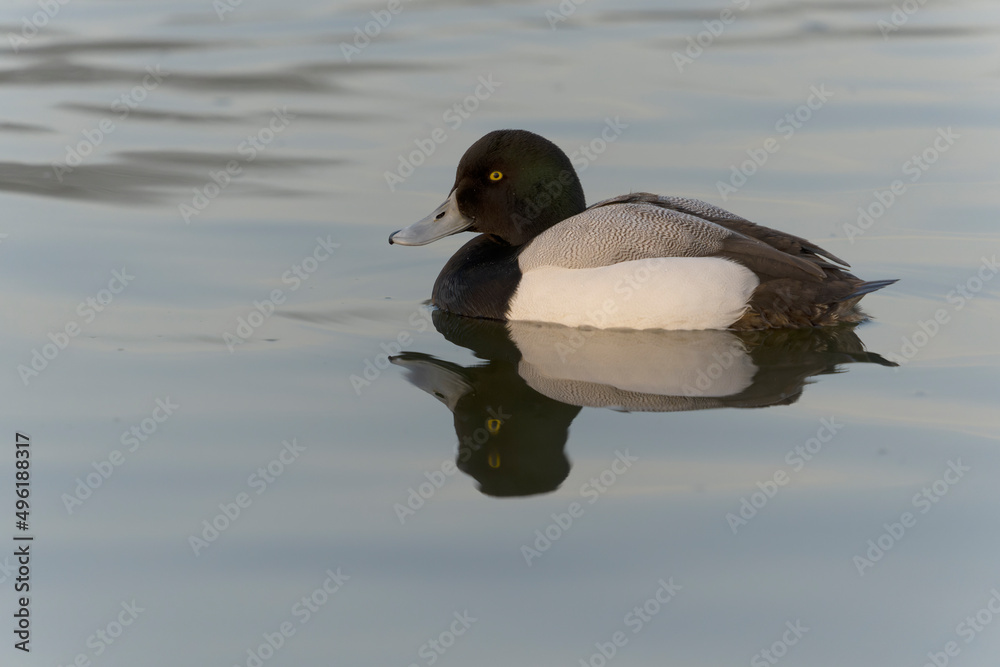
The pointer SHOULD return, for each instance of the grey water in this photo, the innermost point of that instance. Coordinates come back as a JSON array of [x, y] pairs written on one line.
[[254, 443]]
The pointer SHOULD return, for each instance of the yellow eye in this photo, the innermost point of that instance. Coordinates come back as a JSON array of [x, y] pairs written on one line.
[[496, 176], [493, 459], [493, 426]]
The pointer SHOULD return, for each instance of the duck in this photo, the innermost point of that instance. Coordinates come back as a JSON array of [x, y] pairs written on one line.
[[636, 261]]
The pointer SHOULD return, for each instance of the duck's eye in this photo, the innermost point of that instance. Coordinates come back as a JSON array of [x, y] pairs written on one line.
[[493, 426], [496, 176]]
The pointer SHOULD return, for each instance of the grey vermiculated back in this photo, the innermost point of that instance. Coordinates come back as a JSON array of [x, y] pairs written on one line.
[[694, 207], [608, 234]]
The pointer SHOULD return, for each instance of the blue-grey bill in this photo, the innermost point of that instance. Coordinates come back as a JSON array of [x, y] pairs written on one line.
[[444, 221]]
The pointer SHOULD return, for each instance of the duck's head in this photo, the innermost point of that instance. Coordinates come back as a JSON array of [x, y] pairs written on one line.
[[511, 184]]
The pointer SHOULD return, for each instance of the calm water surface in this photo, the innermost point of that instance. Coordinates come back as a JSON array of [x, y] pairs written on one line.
[[200, 305]]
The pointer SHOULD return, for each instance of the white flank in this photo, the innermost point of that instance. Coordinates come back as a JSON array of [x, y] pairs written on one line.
[[659, 293]]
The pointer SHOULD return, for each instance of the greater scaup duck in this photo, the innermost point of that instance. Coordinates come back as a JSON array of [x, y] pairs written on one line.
[[637, 261]]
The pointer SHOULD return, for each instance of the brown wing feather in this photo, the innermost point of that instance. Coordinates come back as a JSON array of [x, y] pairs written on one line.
[[789, 243], [767, 261]]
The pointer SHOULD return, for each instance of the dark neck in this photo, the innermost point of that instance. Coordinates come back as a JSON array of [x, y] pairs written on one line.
[[479, 279]]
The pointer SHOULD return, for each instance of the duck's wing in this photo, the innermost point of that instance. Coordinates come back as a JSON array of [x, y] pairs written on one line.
[[787, 243], [621, 231]]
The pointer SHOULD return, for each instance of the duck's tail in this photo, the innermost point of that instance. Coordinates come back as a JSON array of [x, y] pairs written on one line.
[[867, 288]]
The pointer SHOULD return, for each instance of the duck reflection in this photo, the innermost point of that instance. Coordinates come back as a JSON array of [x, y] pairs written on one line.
[[512, 413]]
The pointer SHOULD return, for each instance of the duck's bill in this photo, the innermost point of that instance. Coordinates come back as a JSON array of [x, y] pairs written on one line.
[[444, 221]]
